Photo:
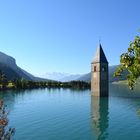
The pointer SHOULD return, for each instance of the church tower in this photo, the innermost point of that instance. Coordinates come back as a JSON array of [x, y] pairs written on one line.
[[99, 74]]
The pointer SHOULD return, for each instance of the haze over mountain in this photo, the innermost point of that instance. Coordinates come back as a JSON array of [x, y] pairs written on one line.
[[87, 77], [9, 67], [63, 77], [12, 71]]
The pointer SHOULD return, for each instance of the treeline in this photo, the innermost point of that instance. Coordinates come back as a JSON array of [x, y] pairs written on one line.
[[24, 84]]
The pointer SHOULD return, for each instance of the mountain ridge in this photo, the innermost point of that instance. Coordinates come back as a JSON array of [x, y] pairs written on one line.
[[87, 77], [12, 71], [61, 76]]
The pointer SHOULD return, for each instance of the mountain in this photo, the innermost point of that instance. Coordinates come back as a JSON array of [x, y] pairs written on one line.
[[12, 71], [87, 77], [63, 77], [111, 72], [55, 75], [9, 72], [9, 67], [70, 78]]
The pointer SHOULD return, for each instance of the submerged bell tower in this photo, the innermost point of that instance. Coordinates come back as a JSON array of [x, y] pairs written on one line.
[[99, 74]]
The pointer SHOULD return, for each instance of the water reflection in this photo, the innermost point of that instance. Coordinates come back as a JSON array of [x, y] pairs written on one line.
[[99, 117]]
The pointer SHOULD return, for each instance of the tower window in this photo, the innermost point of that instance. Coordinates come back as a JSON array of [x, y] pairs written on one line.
[[95, 68]]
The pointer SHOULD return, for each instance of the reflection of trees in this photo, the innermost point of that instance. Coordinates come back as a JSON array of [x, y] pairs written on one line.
[[9, 96], [99, 117]]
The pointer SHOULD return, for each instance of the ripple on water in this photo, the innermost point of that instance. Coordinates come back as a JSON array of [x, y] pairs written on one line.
[[71, 115]]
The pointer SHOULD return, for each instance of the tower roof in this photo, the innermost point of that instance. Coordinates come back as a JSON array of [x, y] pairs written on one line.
[[100, 56]]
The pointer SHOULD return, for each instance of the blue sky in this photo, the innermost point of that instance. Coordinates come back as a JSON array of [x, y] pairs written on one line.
[[62, 35]]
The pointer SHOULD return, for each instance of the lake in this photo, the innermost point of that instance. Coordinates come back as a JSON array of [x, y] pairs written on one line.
[[65, 114]]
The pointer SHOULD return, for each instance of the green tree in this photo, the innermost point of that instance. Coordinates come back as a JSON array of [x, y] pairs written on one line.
[[130, 61], [3, 80]]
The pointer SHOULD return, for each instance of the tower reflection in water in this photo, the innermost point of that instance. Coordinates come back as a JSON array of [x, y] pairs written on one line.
[[100, 117]]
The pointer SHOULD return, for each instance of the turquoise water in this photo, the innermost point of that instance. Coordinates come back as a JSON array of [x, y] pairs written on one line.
[[64, 114]]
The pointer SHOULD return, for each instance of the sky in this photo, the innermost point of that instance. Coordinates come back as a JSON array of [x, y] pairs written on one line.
[[63, 35]]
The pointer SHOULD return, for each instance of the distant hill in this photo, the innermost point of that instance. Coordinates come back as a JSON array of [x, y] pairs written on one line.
[[87, 77], [111, 72], [9, 67], [70, 78], [12, 71], [9, 72], [63, 77]]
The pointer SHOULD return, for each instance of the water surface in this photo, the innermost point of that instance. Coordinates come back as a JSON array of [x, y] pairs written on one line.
[[56, 114]]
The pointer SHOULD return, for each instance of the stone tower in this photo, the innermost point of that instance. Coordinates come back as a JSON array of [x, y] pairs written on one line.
[[99, 74]]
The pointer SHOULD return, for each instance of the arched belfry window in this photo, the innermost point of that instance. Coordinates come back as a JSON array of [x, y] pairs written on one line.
[[95, 68]]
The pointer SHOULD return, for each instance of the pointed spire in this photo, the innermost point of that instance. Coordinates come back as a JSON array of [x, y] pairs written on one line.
[[100, 56]]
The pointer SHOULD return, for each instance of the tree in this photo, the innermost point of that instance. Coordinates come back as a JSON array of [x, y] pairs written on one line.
[[5, 134], [3, 80], [130, 61]]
